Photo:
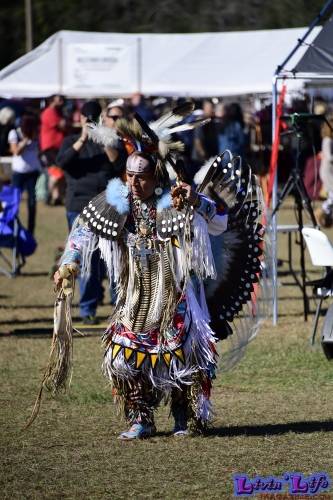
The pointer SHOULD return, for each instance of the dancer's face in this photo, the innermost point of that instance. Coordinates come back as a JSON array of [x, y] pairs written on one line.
[[142, 185]]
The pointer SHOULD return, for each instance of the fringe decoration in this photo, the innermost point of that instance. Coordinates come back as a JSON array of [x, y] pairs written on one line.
[[80, 245], [201, 335], [162, 377], [201, 408], [58, 373], [199, 353], [113, 259], [105, 247], [205, 409], [117, 258], [91, 244], [179, 259], [203, 302], [121, 271], [202, 256]]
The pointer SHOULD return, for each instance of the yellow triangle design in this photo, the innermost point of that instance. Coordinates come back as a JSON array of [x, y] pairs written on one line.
[[179, 353], [128, 353], [115, 350], [140, 357], [175, 241], [167, 358], [153, 359]]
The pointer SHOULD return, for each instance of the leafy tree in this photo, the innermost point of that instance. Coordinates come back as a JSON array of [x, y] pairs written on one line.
[[135, 16]]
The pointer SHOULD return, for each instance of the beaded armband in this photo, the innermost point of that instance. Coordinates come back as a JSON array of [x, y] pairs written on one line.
[[205, 207]]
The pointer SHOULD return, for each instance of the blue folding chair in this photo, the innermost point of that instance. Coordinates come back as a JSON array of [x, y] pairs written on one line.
[[13, 236]]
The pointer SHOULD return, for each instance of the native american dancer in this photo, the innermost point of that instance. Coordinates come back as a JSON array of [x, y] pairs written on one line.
[[174, 300]]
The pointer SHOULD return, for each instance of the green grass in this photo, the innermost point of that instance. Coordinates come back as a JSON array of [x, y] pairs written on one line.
[[273, 411]]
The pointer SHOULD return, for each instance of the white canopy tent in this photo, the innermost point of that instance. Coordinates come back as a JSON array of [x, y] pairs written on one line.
[[88, 64]]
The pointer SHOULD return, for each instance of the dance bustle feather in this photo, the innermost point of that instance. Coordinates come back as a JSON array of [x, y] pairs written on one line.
[[237, 253], [57, 375]]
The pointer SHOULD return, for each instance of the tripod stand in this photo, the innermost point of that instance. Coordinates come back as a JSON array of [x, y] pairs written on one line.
[[295, 183]]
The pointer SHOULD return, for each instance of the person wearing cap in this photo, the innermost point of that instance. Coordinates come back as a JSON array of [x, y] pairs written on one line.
[[110, 116], [113, 112], [88, 169]]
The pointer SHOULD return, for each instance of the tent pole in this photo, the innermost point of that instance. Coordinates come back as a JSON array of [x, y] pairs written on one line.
[[28, 26], [274, 218], [300, 41], [139, 65]]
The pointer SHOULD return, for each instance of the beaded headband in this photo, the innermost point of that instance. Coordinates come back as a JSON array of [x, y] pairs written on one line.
[[137, 164]]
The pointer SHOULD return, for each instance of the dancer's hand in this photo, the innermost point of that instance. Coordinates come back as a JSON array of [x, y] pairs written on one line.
[[64, 273], [183, 193], [57, 279]]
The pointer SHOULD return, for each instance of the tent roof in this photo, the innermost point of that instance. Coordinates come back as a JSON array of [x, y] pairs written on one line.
[[319, 56], [89, 64]]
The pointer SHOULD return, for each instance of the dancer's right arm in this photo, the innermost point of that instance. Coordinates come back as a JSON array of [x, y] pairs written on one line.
[[78, 251]]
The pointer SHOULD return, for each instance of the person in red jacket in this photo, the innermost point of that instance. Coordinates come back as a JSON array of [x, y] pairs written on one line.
[[52, 133], [53, 125]]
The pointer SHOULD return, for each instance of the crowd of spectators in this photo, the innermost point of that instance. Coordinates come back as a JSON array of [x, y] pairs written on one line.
[[37, 139], [54, 160]]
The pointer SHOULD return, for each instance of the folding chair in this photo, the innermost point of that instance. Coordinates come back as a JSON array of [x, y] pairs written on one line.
[[9, 230], [321, 254]]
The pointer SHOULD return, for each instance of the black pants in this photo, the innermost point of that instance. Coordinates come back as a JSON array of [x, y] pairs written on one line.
[[27, 182]]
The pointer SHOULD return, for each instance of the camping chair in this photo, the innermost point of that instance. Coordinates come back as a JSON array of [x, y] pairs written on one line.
[[9, 230], [321, 253]]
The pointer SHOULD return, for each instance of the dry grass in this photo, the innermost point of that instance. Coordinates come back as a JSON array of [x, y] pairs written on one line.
[[273, 412]]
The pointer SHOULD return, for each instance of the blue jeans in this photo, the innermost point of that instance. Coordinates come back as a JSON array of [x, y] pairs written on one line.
[[27, 182], [91, 289]]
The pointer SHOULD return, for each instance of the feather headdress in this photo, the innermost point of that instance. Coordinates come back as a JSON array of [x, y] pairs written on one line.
[[153, 138]]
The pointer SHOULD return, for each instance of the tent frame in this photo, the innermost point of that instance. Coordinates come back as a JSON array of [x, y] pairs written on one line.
[[282, 74]]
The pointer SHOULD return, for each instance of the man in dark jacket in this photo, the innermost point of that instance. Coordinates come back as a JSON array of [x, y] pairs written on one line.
[[88, 168]]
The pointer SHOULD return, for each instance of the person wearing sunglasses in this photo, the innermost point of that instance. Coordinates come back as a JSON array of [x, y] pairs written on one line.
[[112, 114], [88, 167], [109, 117]]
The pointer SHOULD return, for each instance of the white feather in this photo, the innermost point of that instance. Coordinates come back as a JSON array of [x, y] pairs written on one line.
[[201, 174], [166, 121], [171, 172], [164, 133], [188, 126], [102, 135]]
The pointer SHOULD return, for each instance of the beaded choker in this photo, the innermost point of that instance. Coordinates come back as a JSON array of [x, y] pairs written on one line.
[[144, 214]]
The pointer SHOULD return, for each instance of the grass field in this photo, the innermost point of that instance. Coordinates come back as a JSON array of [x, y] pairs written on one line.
[[273, 411]]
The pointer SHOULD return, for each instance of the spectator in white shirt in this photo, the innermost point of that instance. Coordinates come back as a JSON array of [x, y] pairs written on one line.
[[23, 143]]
